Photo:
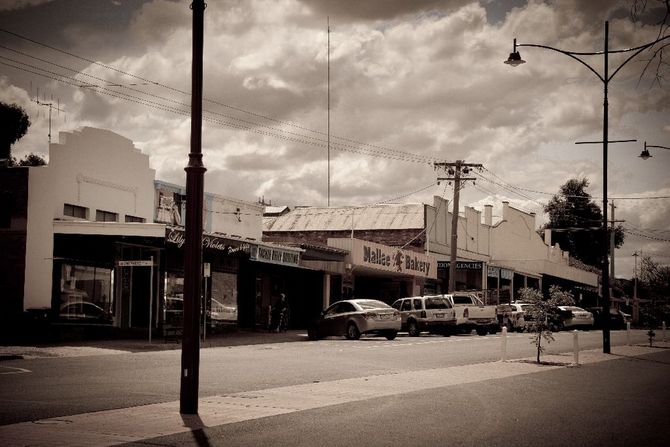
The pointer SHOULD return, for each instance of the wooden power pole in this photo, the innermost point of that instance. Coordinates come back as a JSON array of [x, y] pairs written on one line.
[[455, 170]]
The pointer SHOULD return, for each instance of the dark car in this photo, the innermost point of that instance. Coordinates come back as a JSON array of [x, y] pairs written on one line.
[[352, 318], [618, 319]]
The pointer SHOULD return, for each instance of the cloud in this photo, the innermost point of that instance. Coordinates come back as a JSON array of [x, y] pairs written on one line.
[[410, 82]]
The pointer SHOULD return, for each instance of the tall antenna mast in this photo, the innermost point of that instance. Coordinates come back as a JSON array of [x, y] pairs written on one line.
[[328, 23], [52, 107]]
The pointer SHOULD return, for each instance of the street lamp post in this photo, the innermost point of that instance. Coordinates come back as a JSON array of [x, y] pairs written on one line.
[[195, 173], [516, 60]]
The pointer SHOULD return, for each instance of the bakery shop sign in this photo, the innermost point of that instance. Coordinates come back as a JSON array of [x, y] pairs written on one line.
[[383, 257]]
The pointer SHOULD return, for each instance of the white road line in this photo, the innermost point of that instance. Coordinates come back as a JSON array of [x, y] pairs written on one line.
[[13, 370]]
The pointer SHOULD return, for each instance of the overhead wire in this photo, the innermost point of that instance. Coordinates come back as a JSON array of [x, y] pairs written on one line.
[[371, 149]]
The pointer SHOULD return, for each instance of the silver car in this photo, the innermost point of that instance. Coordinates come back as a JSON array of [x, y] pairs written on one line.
[[577, 317], [426, 313], [352, 318]]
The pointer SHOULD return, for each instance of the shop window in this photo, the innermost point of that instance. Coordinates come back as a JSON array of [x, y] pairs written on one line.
[[86, 294], [136, 219], [106, 216], [173, 306], [223, 306], [75, 211]]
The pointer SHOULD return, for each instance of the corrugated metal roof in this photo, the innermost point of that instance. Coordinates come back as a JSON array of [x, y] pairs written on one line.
[[376, 217]]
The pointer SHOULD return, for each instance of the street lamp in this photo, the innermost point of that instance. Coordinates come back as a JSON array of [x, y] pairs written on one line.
[[195, 173], [645, 155], [515, 60]]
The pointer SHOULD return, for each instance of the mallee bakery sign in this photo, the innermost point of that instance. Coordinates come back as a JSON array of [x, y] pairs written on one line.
[[390, 259]]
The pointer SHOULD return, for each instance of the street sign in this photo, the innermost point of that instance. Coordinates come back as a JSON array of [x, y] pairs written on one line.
[[135, 263], [208, 270]]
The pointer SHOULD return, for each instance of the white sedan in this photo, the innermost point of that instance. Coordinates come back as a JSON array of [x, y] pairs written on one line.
[[576, 317]]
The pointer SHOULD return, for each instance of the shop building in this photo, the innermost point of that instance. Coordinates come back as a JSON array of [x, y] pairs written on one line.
[[381, 244], [70, 223], [95, 240], [494, 260]]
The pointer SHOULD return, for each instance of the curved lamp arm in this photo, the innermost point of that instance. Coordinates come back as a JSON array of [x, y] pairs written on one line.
[[645, 152]]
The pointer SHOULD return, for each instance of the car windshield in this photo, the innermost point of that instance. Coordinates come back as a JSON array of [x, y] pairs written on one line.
[[436, 303], [371, 304]]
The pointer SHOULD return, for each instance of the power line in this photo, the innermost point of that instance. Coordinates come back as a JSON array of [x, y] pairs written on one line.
[[400, 155]]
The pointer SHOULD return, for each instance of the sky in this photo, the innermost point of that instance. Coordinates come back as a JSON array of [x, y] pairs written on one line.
[[410, 83]]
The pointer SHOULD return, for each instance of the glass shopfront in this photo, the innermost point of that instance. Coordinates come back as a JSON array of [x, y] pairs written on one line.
[[222, 308], [86, 294]]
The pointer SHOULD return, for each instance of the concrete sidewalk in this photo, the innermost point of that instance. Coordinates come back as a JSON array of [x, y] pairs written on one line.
[[149, 421], [122, 346]]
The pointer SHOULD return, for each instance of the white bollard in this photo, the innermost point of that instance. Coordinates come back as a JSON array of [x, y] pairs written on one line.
[[503, 344], [628, 333], [575, 346], [663, 327]]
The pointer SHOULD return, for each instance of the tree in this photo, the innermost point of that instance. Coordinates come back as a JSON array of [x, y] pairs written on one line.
[[575, 221], [543, 314], [654, 285], [29, 160], [656, 12], [15, 123]]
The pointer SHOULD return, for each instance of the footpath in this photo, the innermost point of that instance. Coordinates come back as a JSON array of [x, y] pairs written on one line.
[[123, 346], [139, 423]]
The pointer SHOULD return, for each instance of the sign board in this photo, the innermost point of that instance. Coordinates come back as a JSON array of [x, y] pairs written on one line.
[[176, 236], [462, 265], [274, 255], [207, 269], [391, 259], [135, 263]]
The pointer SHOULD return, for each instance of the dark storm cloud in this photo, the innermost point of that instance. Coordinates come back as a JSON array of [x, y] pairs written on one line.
[[378, 9], [98, 28]]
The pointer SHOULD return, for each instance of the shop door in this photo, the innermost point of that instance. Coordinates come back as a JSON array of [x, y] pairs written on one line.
[[139, 297]]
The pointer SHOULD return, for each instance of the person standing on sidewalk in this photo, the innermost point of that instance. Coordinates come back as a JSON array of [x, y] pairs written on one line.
[[280, 314]]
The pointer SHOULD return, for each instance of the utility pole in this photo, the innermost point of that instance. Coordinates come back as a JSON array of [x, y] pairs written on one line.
[[612, 207], [455, 170], [636, 315]]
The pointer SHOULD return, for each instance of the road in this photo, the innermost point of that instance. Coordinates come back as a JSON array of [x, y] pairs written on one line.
[[614, 403], [50, 387]]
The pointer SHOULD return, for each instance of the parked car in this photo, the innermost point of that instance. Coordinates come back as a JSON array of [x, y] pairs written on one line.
[[472, 313], [519, 320], [352, 318], [85, 312], [220, 313], [618, 318], [577, 317], [426, 313]]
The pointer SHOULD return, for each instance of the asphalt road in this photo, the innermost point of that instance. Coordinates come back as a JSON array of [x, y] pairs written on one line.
[[615, 403], [51, 387]]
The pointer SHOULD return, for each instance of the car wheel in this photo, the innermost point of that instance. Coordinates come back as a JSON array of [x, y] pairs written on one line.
[[390, 335], [481, 331], [413, 328], [352, 332], [313, 333]]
